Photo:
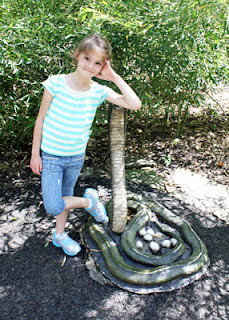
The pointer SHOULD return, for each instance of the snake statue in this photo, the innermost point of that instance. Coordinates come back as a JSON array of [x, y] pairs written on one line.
[[156, 250]]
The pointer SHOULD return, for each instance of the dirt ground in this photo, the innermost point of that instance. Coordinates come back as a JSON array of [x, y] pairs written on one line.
[[39, 282]]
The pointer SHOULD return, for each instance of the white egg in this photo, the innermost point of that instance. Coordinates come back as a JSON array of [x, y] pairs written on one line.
[[150, 232], [166, 243], [142, 232], [173, 241], [154, 246], [139, 244], [148, 237]]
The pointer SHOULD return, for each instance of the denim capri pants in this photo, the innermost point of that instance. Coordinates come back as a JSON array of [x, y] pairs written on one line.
[[58, 179]]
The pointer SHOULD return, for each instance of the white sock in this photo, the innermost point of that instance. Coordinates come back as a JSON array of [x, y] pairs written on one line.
[[60, 235], [90, 204]]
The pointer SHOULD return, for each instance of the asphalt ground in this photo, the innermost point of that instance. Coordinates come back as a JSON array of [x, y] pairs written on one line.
[[38, 281]]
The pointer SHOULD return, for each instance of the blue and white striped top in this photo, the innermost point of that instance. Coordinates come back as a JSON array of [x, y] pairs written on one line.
[[69, 118]]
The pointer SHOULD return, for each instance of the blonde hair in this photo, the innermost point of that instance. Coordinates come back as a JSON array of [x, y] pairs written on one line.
[[88, 44]]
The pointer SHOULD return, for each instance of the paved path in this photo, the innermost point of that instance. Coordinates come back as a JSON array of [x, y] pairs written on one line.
[[201, 193]]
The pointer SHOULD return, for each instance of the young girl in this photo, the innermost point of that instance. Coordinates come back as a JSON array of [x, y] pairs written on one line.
[[61, 132]]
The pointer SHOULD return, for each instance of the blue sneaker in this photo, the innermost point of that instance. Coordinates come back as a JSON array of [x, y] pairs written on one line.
[[68, 245], [97, 209]]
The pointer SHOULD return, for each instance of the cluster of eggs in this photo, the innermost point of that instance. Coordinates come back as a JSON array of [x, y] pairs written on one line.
[[149, 234]]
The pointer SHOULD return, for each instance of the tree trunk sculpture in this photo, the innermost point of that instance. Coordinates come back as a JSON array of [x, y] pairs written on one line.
[[171, 254], [117, 140]]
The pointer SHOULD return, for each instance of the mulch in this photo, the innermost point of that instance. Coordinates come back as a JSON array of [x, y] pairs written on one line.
[[39, 282]]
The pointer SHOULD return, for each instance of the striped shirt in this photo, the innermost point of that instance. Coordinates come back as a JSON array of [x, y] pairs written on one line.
[[70, 115]]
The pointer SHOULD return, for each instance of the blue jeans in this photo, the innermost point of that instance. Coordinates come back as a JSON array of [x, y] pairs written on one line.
[[58, 178]]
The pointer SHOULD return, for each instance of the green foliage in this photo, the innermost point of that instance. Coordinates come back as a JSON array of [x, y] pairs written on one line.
[[168, 51], [37, 39]]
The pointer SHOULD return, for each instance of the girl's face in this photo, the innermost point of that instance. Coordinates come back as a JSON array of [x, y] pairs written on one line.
[[91, 63]]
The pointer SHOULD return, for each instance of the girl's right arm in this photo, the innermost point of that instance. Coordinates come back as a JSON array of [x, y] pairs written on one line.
[[35, 161]]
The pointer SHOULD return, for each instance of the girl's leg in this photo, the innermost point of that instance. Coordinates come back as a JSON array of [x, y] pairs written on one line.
[[76, 202], [51, 181], [90, 202], [55, 184], [70, 176], [61, 220], [71, 203]]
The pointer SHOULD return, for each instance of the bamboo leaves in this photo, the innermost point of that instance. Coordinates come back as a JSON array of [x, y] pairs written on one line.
[[170, 51]]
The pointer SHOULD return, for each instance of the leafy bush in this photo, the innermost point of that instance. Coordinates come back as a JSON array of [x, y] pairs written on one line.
[[168, 51], [36, 41]]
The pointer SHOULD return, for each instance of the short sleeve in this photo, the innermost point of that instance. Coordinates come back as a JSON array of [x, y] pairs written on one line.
[[104, 93], [49, 84]]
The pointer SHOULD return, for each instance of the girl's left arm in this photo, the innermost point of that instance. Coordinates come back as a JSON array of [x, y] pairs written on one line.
[[128, 99]]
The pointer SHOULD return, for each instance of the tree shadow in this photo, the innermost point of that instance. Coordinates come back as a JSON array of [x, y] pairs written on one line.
[[39, 282]]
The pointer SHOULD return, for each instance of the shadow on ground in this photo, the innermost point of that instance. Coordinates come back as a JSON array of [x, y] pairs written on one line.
[[37, 282]]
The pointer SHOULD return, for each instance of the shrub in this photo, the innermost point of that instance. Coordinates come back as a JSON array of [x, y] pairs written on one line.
[[170, 52]]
